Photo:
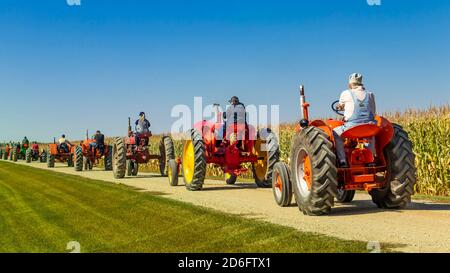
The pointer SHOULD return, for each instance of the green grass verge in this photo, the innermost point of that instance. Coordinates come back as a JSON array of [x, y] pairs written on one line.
[[439, 199], [41, 211]]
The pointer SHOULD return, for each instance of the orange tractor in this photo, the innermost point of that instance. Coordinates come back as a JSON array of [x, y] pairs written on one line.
[[240, 146], [134, 149], [86, 156], [315, 178], [62, 153]]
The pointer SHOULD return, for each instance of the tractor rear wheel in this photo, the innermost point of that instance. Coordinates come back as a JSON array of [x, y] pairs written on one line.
[[28, 155], [401, 173], [14, 155], [50, 159], [108, 159], [344, 196], [281, 184], [314, 172], [230, 179], [172, 172], [268, 155], [194, 161], [78, 158], [70, 161], [167, 152], [119, 158]]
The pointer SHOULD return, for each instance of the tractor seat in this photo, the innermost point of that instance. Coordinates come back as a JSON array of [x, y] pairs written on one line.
[[362, 131]]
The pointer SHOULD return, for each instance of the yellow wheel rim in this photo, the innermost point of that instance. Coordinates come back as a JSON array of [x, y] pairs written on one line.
[[261, 164], [188, 162], [227, 176]]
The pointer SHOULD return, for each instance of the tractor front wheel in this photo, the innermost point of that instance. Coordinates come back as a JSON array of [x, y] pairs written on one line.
[[172, 172], [230, 179], [344, 196], [401, 173], [314, 173], [268, 152], [281, 184], [119, 158], [194, 161]]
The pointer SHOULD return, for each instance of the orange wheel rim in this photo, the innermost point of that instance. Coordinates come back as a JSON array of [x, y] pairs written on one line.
[[307, 171], [279, 184]]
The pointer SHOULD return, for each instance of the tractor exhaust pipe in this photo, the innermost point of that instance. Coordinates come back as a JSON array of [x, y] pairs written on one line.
[[304, 121], [129, 126], [218, 115]]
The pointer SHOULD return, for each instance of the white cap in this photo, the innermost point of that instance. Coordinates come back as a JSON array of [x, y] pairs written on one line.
[[356, 79]]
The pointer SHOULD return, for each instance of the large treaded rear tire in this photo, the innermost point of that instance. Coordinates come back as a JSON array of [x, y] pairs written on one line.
[[78, 159], [199, 168], [401, 173], [167, 152], [273, 156], [319, 199], [14, 155], [119, 158], [28, 156], [50, 159], [108, 159]]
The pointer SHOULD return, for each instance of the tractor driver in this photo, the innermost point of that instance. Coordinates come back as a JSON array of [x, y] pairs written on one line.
[[25, 142], [235, 114], [359, 108], [142, 126], [99, 142], [63, 144]]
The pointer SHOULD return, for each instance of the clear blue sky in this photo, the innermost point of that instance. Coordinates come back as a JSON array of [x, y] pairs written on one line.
[[64, 68]]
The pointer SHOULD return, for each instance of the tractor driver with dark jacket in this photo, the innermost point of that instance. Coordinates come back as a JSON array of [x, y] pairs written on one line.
[[99, 142], [235, 114], [142, 126]]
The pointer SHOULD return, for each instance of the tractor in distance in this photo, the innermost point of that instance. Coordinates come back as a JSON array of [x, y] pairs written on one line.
[[133, 150], [60, 152], [89, 153]]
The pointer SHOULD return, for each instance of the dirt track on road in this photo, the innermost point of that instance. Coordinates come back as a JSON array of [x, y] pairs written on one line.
[[423, 227]]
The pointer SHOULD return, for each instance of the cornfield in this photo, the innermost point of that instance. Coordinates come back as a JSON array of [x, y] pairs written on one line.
[[429, 131]]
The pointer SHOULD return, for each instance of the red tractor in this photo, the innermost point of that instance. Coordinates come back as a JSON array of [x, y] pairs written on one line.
[[62, 153], [133, 150], [86, 156], [238, 147], [315, 178], [6, 152]]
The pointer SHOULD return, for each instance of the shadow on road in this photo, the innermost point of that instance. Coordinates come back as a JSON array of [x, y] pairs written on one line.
[[368, 207], [238, 186]]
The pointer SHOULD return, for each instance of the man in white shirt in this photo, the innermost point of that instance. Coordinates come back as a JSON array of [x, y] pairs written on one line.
[[359, 108]]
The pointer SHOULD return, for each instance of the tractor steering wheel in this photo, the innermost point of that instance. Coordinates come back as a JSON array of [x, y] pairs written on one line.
[[333, 107]]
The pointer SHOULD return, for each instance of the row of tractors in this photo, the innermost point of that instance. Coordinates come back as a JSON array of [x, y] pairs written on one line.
[[15, 152], [313, 176]]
